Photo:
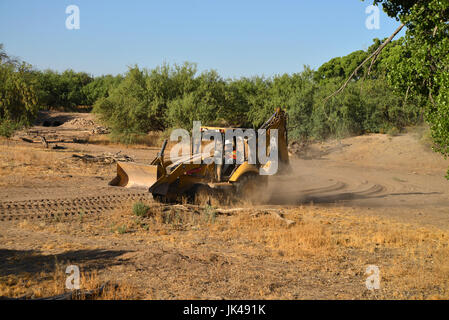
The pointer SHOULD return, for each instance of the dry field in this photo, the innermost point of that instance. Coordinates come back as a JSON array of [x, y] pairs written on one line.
[[369, 200]]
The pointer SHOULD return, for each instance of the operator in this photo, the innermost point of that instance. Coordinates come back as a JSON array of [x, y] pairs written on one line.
[[222, 168]]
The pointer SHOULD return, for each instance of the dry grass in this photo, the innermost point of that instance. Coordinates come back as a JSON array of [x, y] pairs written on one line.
[[304, 239], [252, 254], [19, 163], [53, 282], [412, 259]]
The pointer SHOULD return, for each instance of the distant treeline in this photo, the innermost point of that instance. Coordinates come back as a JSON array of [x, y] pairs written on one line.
[[165, 97]]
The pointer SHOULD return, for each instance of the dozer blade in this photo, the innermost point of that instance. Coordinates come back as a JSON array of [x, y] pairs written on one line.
[[134, 175]]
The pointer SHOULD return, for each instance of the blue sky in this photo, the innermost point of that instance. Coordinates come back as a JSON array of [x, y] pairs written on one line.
[[237, 38]]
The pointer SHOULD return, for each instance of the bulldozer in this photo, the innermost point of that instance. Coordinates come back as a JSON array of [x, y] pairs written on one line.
[[188, 177]]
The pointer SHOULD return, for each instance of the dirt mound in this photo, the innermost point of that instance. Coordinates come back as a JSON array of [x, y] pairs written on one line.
[[87, 122], [79, 123], [404, 152]]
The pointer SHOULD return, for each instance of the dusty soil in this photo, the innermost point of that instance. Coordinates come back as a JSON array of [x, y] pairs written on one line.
[[367, 200], [391, 176]]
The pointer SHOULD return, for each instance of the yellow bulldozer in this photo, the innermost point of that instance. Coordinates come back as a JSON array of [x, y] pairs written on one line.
[[172, 180]]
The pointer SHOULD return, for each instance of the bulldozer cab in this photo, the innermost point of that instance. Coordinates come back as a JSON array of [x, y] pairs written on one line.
[[224, 149]]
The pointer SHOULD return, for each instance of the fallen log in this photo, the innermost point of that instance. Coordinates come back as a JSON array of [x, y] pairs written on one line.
[[275, 212], [103, 158], [40, 140], [28, 140]]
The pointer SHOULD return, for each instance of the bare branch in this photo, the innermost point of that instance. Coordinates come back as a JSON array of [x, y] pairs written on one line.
[[372, 56]]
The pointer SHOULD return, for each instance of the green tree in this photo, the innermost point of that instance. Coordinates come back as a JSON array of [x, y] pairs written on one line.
[[100, 88], [423, 66], [139, 103], [65, 90], [204, 100], [18, 97]]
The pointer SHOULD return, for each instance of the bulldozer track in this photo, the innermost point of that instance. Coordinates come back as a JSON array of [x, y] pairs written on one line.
[[65, 207], [334, 187]]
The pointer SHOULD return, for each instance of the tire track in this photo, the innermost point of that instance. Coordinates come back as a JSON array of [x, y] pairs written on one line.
[[65, 207]]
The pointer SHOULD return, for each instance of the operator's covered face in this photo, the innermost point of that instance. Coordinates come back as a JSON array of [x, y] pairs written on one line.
[[228, 143], [229, 146]]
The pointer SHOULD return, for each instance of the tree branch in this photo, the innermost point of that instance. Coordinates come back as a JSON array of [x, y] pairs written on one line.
[[372, 56]]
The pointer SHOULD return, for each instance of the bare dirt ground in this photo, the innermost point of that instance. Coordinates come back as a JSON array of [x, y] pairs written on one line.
[[367, 200], [391, 176]]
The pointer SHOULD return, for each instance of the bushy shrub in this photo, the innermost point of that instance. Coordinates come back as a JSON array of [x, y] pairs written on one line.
[[139, 103], [8, 127], [140, 209], [18, 97], [64, 90]]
